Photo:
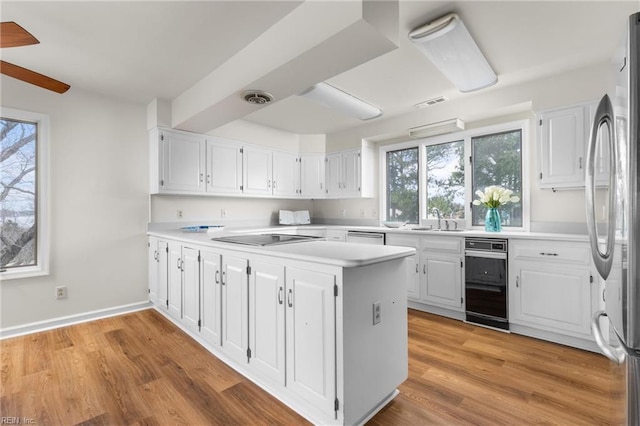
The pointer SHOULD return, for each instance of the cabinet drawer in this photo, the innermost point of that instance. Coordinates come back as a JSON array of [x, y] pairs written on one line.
[[440, 244], [551, 251]]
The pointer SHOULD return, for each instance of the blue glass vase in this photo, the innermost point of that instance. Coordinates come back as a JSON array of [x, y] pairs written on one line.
[[492, 221]]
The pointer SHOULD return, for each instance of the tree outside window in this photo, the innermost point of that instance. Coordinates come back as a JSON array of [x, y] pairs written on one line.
[[445, 179], [402, 185], [18, 183], [497, 160]]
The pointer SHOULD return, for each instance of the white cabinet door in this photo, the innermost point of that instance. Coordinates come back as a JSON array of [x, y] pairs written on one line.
[[286, 174], [235, 327], [224, 167], [551, 296], [257, 171], [183, 162], [211, 305], [334, 174], [311, 339], [351, 173], [266, 321], [191, 288], [154, 270], [163, 274], [412, 263], [442, 277], [174, 277], [312, 175], [562, 147]]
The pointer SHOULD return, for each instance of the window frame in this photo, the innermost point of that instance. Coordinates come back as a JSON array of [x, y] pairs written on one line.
[[464, 135], [42, 195]]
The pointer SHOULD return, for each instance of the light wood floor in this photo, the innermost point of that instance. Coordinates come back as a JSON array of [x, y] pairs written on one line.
[[140, 369]]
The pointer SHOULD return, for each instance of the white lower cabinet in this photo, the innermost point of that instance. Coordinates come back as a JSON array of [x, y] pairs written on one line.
[[191, 288], [412, 264], [435, 275], [551, 287], [266, 321], [210, 297], [174, 280], [235, 319], [311, 337], [284, 326]]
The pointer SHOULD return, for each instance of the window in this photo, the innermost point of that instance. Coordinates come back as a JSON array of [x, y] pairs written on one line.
[[22, 194], [403, 196], [445, 171], [445, 179], [497, 160]]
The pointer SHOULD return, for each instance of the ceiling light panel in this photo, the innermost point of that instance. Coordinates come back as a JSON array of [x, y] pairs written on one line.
[[448, 44], [342, 102]]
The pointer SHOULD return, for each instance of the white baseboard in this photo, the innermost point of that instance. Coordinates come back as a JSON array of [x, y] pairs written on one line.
[[36, 327]]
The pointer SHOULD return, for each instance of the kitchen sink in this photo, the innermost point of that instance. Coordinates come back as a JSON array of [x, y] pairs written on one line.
[[425, 229]]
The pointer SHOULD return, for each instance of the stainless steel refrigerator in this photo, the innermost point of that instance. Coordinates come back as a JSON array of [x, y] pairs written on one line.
[[613, 220]]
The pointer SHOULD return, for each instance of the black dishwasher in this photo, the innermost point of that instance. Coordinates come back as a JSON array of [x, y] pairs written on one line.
[[486, 282]]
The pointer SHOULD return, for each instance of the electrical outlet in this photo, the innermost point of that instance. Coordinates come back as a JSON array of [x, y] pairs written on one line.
[[376, 312], [61, 292], [179, 214]]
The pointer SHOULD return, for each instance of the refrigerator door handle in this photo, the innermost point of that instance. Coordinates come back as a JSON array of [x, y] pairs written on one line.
[[615, 354], [604, 115]]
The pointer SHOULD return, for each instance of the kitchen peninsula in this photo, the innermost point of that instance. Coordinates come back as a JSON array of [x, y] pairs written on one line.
[[320, 325]]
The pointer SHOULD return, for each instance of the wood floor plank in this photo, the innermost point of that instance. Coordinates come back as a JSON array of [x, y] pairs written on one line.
[[139, 369]]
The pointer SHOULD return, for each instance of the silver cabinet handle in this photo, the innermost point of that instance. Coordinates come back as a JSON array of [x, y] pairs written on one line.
[[155, 255], [417, 270], [580, 163], [269, 184], [424, 268], [274, 184], [217, 277], [178, 265], [224, 275], [208, 178], [604, 115], [280, 291], [548, 254], [289, 298], [201, 177], [517, 281]]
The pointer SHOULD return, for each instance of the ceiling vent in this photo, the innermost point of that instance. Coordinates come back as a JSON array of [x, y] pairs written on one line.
[[257, 97], [431, 102]]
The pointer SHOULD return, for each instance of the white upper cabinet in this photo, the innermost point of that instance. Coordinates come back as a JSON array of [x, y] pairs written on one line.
[[224, 167], [563, 136], [312, 175], [189, 163], [562, 147], [349, 173], [286, 174], [181, 162], [257, 166]]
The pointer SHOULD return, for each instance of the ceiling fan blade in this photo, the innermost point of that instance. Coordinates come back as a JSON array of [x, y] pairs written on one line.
[[13, 35], [33, 77]]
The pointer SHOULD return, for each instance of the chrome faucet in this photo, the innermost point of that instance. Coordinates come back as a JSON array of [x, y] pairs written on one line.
[[436, 212]]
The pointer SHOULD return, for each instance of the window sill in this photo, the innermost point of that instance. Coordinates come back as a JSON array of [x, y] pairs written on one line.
[[26, 272]]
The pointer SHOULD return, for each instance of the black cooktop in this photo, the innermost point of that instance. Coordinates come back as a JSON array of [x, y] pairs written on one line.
[[265, 239]]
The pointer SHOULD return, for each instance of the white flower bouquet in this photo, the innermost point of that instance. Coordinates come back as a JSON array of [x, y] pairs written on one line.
[[495, 196]]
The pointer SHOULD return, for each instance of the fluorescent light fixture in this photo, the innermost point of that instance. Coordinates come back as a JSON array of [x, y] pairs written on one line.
[[340, 101], [438, 128], [448, 44]]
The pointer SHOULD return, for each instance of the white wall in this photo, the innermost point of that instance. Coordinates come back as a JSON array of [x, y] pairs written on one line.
[[99, 206]]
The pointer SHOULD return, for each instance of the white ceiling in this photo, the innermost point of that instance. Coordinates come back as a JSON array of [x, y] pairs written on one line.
[[142, 50]]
